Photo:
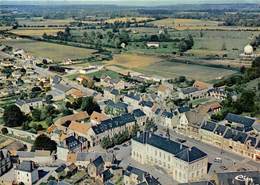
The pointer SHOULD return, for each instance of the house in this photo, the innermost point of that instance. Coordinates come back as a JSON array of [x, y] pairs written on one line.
[[147, 107], [115, 109], [240, 122], [209, 108], [110, 127], [27, 173], [75, 94], [230, 139], [59, 91], [218, 93], [83, 159], [134, 176], [153, 44], [55, 80], [42, 157], [97, 118], [68, 145], [132, 99], [5, 161], [26, 105], [182, 163], [140, 116], [192, 93], [111, 94], [190, 122], [96, 167]]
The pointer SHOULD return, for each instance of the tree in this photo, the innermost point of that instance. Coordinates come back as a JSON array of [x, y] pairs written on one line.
[[4, 131], [49, 99], [43, 142], [36, 115], [223, 47], [182, 46], [106, 142], [89, 105], [13, 116]]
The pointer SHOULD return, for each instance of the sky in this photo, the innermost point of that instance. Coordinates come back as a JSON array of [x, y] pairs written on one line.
[[137, 2]]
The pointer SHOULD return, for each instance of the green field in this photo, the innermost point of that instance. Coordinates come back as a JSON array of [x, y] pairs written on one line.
[[39, 21], [101, 73], [53, 51]]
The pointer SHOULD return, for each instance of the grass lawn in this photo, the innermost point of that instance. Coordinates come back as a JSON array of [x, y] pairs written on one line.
[[199, 101], [53, 51], [99, 74]]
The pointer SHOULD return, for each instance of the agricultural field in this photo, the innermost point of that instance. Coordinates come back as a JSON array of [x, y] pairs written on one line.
[[210, 43], [39, 21], [168, 69], [53, 51], [129, 19], [35, 32], [186, 24]]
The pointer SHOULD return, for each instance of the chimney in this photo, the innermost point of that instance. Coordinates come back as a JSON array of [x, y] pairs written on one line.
[[150, 134], [181, 146]]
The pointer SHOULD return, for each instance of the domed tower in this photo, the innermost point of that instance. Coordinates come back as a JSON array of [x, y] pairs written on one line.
[[248, 50]]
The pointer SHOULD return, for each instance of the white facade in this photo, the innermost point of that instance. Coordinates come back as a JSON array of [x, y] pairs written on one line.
[[28, 178]]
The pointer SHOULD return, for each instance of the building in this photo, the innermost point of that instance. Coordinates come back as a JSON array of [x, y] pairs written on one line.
[[239, 122], [96, 167], [132, 99], [153, 44], [184, 164], [26, 105], [27, 173], [227, 138], [5, 161], [110, 127], [133, 176]]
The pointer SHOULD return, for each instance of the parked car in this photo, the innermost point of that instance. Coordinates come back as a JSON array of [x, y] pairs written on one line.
[[218, 160]]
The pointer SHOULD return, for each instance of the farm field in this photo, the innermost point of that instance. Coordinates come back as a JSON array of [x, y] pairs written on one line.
[[53, 51], [184, 24], [39, 21], [35, 32], [157, 66], [208, 43]]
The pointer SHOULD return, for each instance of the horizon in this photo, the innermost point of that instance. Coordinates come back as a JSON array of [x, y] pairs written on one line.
[[126, 2]]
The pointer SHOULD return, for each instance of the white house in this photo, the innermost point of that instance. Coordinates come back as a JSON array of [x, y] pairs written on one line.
[[27, 173]]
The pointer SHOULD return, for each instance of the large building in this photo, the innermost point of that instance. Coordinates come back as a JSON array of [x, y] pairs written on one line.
[[5, 161], [184, 164], [230, 139]]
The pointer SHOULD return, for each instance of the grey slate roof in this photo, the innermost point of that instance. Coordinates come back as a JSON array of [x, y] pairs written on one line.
[[220, 129], [189, 90], [62, 87], [146, 104], [133, 96], [113, 123], [227, 178], [183, 109], [27, 166], [98, 161], [33, 100], [209, 126], [247, 122], [138, 113], [166, 114], [177, 149]]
